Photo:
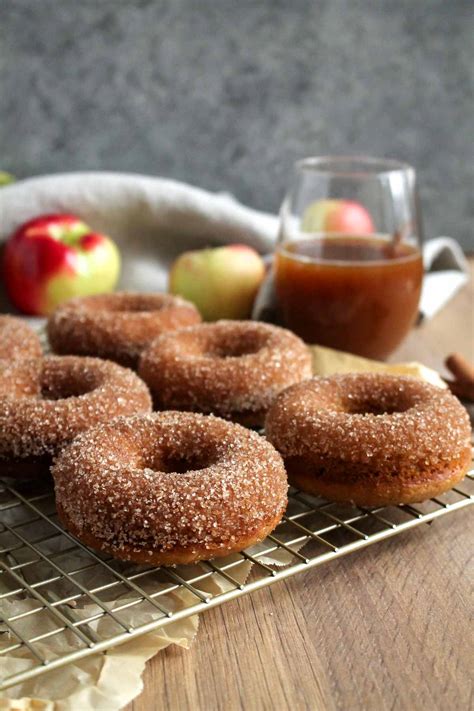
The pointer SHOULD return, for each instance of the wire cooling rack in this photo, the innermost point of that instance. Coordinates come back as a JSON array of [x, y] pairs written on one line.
[[61, 601]]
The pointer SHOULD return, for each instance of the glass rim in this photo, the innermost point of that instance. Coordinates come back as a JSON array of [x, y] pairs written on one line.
[[363, 166]]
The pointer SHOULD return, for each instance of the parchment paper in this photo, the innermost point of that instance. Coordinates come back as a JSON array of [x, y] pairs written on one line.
[[102, 682]]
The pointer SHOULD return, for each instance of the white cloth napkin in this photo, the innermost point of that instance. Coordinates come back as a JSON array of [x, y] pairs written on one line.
[[446, 271], [154, 219], [151, 219]]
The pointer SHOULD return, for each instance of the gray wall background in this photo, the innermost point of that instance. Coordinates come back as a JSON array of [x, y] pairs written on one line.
[[227, 94]]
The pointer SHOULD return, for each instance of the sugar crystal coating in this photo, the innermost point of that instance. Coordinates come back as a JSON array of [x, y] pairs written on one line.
[[225, 368], [17, 339], [167, 480], [117, 326], [359, 425], [46, 402]]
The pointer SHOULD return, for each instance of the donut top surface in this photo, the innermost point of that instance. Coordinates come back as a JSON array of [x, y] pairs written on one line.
[[117, 326], [374, 418], [17, 339], [45, 402], [224, 367], [126, 302], [170, 479]]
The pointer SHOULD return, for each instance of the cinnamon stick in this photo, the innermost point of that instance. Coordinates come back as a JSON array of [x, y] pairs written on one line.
[[463, 371]]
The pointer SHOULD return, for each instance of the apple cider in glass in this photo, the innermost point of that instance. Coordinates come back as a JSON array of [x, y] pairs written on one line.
[[348, 266], [353, 293]]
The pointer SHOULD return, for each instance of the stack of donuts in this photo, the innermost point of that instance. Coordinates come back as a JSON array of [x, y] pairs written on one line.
[[143, 416]]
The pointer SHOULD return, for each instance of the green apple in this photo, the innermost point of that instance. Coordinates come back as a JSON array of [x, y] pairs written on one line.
[[221, 282]]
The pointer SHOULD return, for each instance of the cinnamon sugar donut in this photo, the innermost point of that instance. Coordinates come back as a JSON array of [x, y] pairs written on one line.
[[169, 488], [371, 439], [234, 369], [117, 326], [17, 339], [46, 402]]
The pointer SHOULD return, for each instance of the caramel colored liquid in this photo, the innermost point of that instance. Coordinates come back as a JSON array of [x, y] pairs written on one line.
[[356, 294]]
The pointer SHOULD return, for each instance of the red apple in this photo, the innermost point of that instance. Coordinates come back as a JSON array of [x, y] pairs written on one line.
[[221, 282], [54, 257], [342, 216]]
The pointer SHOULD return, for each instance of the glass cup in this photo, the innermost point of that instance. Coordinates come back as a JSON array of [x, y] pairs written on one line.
[[348, 264]]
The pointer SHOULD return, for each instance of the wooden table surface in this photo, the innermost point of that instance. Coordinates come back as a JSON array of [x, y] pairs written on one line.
[[386, 627]]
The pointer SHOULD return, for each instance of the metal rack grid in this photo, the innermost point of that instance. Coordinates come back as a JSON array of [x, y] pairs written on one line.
[[82, 600]]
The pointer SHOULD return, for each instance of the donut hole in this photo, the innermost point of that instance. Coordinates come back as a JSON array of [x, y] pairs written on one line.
[[180, 463], [60, 384], [377, 403], [235, 345], [138, 304], [218, 345], [179, 452], [61, 391], [127, 303], [235, 350]]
